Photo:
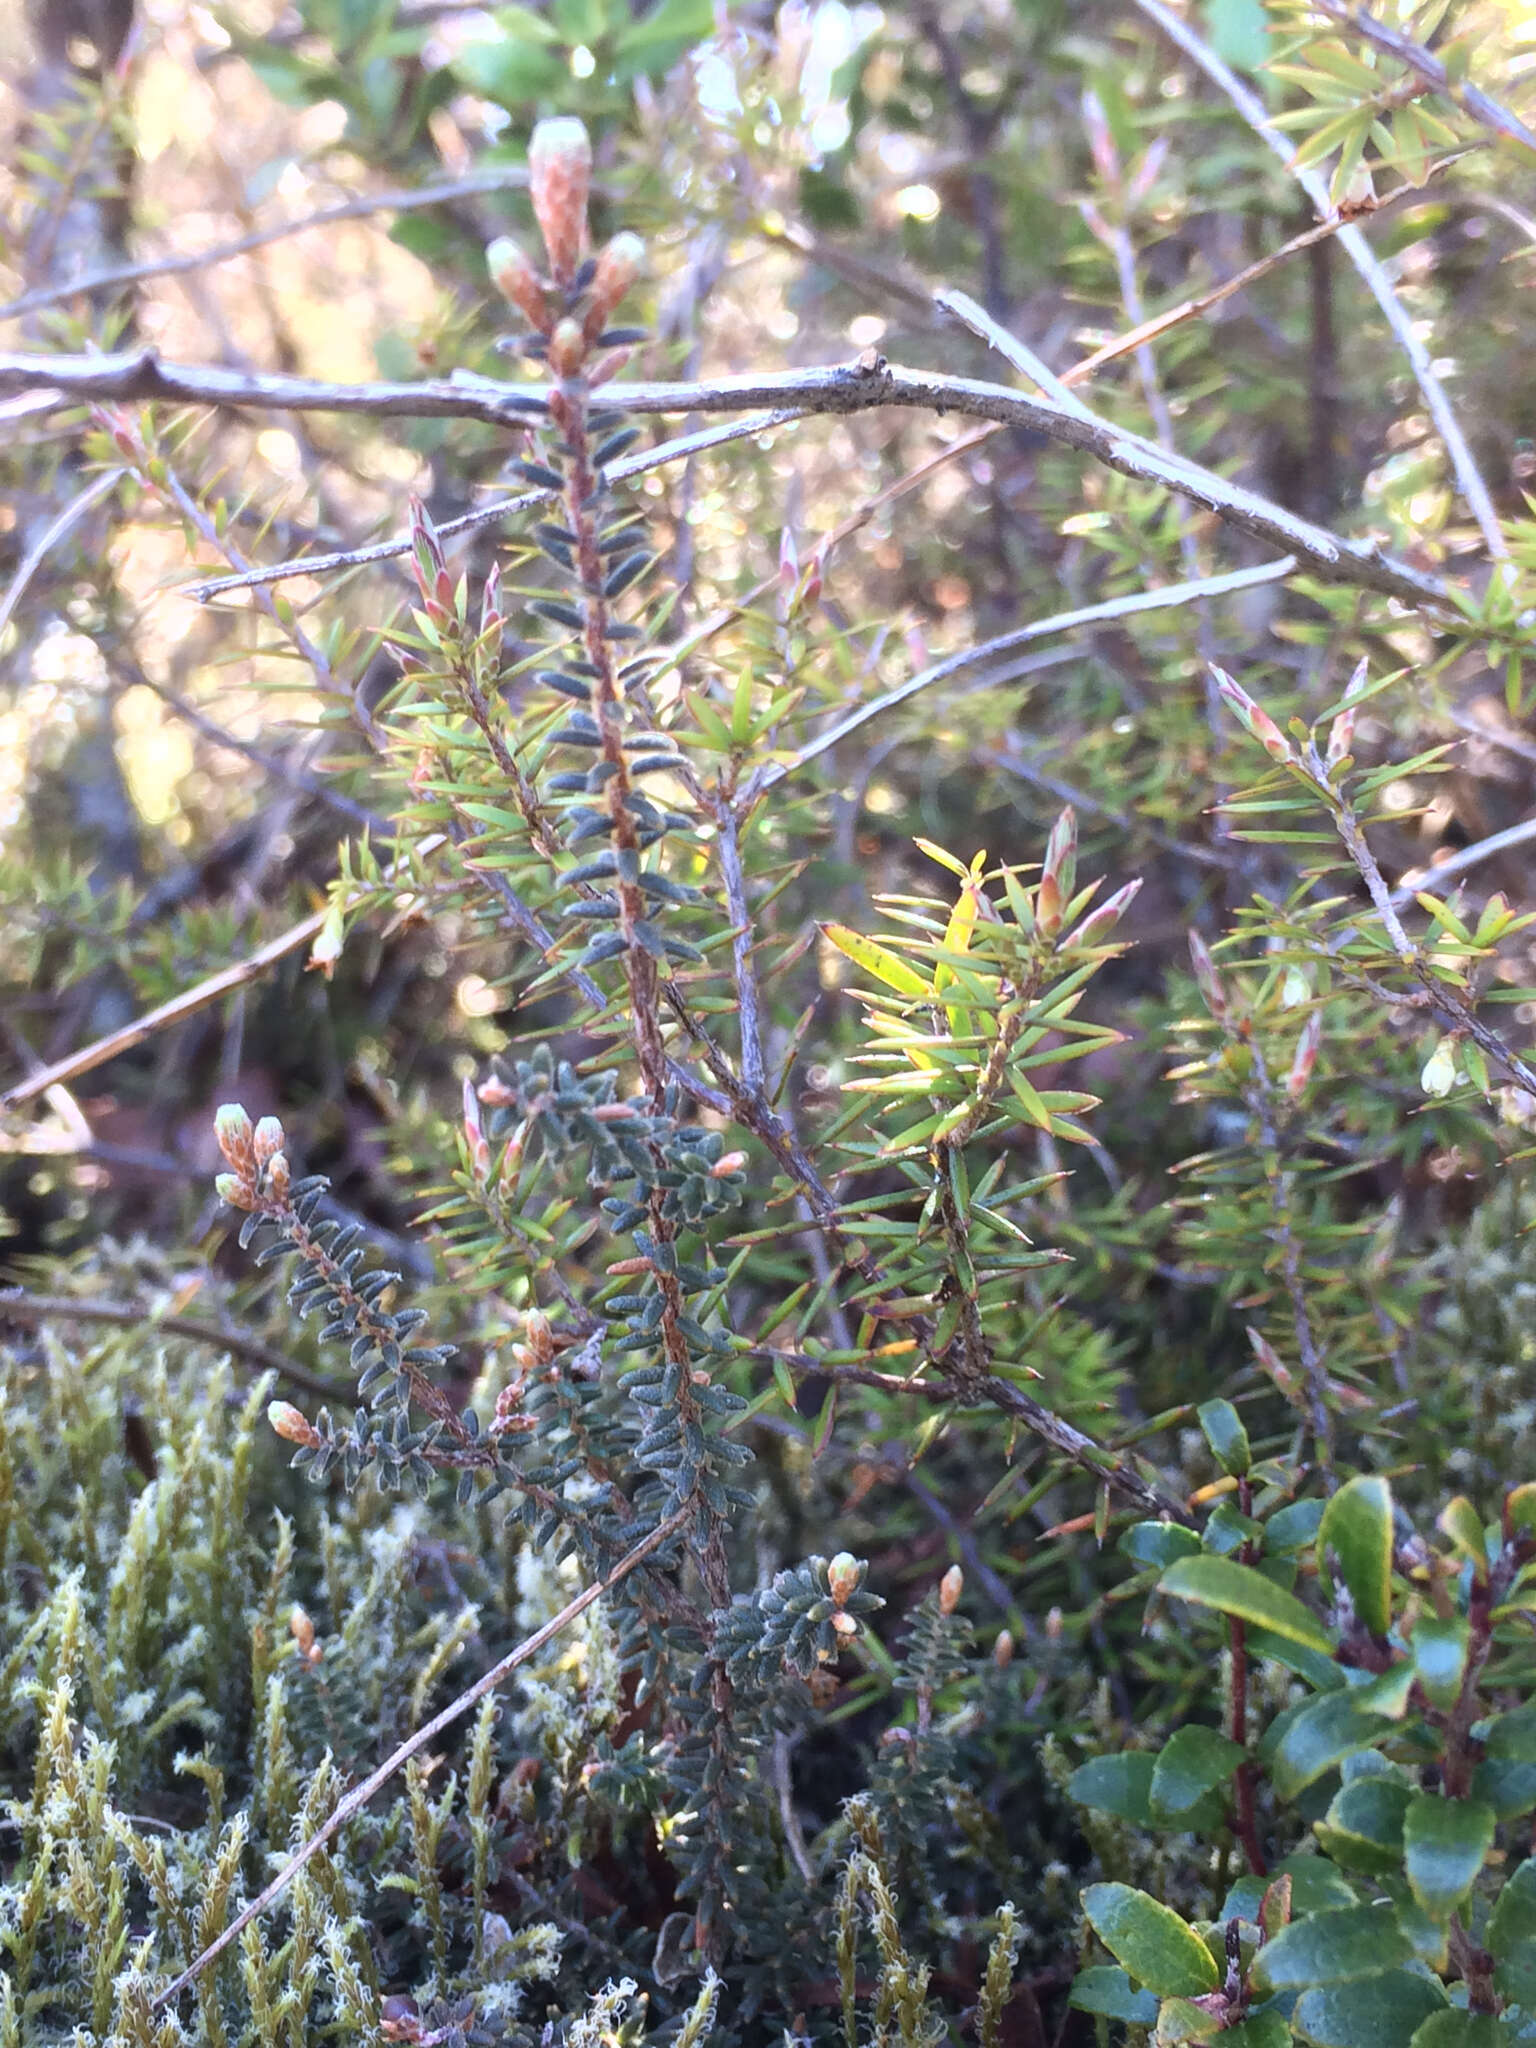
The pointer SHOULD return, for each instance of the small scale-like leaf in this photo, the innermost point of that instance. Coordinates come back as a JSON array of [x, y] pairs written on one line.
[[1357, 1527], [1445, 1842], [1158, 1948]]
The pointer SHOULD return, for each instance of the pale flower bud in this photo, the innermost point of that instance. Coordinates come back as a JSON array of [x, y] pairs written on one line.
[[950, 1588], [843, 1575], [518, 282], [291, 1423], [277, 1178], [236, 1139], [1002, 1649], [559, 177], [617, 268], [267, 1139], [567, 349]]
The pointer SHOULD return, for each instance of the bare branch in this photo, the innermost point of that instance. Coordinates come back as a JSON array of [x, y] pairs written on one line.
[[503, 508], [223, 252], [843, 389], [1167, 599], [76, 509], [17, 1306]]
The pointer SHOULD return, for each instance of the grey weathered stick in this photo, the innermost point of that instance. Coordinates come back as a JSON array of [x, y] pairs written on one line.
[[259, 238], [502, 508], [866, 386], [18, 1306], [1166, 599]]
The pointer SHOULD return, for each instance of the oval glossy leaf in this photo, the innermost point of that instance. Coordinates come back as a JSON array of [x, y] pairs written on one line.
[[1511, 1937], [1440, 1657], [1373, 2012], [1121, 1785], [1445, 1842], [1259, 2030], [1463, 2030], [1316, 1887], [1192, 1762], [1158, 1948], [1157, 1543], [1106, 1989], [1331, 1948], [1238, 1589], [1293, 1527], [1182, 2022], [1308, 1740], [1363, 1828], [1225, 1434], [1357, 1528]]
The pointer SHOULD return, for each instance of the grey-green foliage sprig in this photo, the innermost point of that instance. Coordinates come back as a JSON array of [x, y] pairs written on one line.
[[661, 1176], [392, 1371]]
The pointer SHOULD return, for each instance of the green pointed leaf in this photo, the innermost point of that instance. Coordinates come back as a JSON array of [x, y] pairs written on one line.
[[1331, 1948], [1445, 1842], [877, 960], [1158, 1948], [1374, 2012], [1357, 1527], [1192, 1762], [1238, 1589], [1511, 1937]]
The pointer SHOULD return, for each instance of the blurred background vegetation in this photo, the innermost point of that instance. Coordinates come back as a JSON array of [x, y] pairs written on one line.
[[312, 190]]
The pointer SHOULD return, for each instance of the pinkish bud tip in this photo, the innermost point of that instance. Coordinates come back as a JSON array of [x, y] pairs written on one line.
[[559, 177]]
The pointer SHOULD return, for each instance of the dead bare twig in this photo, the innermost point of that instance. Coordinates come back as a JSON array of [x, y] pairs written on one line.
[[867, 385]]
